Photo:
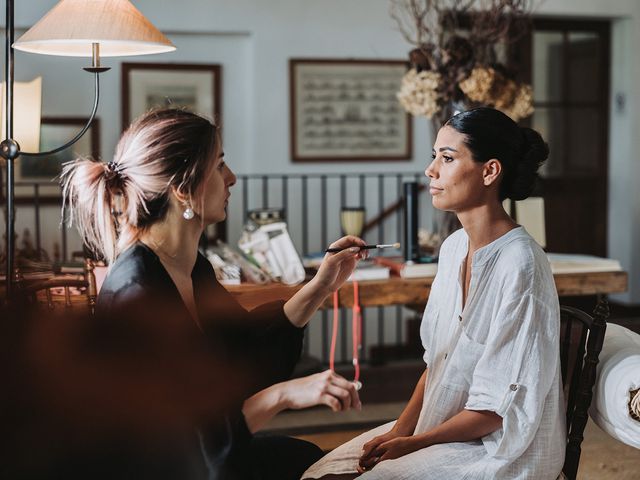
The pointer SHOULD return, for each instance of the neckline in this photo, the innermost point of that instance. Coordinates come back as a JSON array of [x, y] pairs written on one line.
[[484, 253], [174, 287], [478, 258]]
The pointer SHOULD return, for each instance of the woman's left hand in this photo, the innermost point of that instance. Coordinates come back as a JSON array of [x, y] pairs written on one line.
[[394, 448], [337, 267]]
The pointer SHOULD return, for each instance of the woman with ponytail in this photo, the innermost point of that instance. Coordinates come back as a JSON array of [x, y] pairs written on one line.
[[144, 213], [489, 404]]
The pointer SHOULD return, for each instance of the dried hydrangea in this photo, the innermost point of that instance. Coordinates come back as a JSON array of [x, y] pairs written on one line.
[[522, 105], [419, 94], [478, 85], [504, 93], [489, 87]]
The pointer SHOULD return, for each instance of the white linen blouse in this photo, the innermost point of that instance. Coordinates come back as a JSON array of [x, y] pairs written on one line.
[[499, 353]]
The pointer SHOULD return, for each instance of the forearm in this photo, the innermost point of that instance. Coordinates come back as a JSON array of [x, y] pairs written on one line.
[[263, 406], [304, 303], [408, 419], [463, 427], [333, 272]]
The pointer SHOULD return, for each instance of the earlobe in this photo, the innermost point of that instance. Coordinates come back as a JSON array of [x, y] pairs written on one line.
[[491, 171], [179, 196], [184, 203]]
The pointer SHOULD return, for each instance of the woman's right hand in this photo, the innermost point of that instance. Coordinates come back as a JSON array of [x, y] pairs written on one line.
[[324, 388], [368, 459], [336, 268]]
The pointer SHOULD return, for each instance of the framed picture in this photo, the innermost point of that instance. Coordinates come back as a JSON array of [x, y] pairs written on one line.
[[149, 85], [54, 132], [347, 110]]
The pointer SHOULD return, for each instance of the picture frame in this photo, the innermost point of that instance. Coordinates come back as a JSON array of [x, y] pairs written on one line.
[[45, 171], [196, 87], [347, 110]]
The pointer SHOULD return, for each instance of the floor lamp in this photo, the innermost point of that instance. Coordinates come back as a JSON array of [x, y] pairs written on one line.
[[79, 28]]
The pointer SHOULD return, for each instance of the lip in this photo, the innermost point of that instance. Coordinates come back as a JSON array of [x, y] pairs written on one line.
[[435, 190]]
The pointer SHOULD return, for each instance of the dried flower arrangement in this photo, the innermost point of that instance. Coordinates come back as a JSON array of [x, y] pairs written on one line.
[[455, 66]]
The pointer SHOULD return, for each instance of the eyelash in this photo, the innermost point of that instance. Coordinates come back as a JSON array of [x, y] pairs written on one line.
[[221, 166], [447, 158]]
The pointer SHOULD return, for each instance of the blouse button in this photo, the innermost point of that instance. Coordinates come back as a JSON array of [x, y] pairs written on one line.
[[513, 387], [459, 318]]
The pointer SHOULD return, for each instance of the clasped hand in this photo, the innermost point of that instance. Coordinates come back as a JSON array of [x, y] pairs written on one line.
[[387, 446]]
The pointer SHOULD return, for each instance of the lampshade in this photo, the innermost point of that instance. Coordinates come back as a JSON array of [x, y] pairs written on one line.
[[27, 101], [72, 26]]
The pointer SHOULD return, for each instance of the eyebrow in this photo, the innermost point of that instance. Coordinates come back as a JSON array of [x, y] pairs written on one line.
[[442, 149]]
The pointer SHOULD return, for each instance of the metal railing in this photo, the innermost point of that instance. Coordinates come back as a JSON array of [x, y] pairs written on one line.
[[310, 204]]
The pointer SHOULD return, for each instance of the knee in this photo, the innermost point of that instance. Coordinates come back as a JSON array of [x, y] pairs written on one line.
[[381, 471], [308, 451], [284, 454]]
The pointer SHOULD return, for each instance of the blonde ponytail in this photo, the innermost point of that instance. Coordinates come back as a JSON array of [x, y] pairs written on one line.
[[89, 199]]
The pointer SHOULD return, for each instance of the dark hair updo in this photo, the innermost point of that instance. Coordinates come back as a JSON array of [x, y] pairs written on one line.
[[492, 134]]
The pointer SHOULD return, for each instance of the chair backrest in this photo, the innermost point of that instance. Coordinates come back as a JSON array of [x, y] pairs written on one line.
[[581, 339], [59, 290]]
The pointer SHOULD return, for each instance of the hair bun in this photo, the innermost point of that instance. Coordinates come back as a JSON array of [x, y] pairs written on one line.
[[534, 152]]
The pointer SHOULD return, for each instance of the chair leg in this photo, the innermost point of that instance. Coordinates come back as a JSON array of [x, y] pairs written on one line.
[[92, 290], [585, 393], [572, 458]]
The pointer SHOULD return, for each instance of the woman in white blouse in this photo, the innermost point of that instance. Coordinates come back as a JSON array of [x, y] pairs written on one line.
[[489, 403]]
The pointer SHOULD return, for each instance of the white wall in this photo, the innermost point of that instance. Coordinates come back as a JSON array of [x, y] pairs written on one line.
[[253, 40]]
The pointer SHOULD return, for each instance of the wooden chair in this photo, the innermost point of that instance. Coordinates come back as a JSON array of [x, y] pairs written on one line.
[[581, 339], [47, 292]]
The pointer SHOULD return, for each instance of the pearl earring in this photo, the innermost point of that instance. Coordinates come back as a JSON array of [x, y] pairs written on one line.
[[188, 213]]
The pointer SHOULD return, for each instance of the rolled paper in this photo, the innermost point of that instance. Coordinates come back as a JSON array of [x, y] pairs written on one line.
[[618, 377]]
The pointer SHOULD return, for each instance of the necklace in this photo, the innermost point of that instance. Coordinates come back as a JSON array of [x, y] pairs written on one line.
[[158, 249]]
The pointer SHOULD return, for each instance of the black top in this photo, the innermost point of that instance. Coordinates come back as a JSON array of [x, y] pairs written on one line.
[[257, 348]]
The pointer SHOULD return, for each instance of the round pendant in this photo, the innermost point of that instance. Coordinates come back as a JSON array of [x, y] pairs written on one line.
[[188, 213]]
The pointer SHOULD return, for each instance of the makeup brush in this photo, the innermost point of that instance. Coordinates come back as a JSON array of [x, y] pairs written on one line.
[[364, 247]]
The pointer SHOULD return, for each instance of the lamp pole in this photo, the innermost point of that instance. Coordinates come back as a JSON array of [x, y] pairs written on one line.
[[9, 148]]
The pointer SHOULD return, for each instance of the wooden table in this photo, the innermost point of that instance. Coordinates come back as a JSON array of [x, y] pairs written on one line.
[[414, 291]]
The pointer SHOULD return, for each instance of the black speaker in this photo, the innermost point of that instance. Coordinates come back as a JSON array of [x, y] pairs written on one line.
[[410, 247]]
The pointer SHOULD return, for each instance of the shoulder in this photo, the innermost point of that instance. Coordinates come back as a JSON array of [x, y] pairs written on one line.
[[133, 274], [453, 243], [523, 251], [524, 266]]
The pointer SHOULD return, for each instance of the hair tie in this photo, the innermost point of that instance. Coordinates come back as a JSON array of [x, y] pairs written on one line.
[[112, 171]]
